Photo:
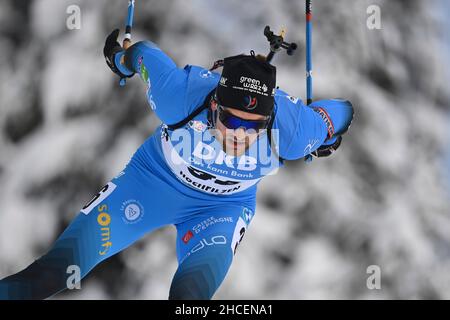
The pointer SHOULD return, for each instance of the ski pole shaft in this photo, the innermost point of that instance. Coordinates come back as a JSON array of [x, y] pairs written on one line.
[[308, 12], [127, 39], [129, 25], [309, 51]]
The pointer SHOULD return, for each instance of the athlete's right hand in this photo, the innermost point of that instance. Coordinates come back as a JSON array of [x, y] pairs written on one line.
[[113, 53]]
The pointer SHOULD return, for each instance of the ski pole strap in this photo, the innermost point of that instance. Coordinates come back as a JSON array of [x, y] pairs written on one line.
[[185, 121], [217, 64]]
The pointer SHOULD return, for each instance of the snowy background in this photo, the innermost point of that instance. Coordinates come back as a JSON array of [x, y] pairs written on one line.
[[66, 128]]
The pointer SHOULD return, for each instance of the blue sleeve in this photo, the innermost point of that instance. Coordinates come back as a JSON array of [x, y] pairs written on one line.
[[301, 130], [166, 83], [337, 114]]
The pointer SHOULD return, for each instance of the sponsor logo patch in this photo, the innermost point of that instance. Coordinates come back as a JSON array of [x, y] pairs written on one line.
[[104, 221], [327, 120], [188, 236], [250, 103], [205, 224], [198, 126], [206, 242], [132, 211], [311, 145], [205, 74], [252, 85], [293, 99], [223, 81], [247, 215]]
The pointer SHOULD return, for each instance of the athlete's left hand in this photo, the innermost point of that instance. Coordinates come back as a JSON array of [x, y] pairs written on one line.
[[113, 53]]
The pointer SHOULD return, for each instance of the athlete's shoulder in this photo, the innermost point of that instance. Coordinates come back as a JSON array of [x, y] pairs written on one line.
[[300, 129], [200, 83], [282, 98], [287, 110]]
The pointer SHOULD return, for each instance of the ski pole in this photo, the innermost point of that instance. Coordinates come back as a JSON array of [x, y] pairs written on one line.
[[308, 52], [127, 40], [308, 12], [129, 25]]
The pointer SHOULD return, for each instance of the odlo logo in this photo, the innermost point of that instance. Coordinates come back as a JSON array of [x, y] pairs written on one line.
[[104, 221], [204, 242]]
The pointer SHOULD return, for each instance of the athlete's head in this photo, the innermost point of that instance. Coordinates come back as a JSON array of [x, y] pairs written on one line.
[[243, 101]]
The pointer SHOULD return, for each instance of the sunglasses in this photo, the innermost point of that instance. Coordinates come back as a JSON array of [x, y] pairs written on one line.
[[233, 122]]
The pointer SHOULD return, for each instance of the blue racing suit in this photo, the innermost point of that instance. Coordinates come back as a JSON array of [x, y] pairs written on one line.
[[180, 177]]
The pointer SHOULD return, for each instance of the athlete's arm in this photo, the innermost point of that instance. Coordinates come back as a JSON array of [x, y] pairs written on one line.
[[305, 129], [166, 83], [338, 116]]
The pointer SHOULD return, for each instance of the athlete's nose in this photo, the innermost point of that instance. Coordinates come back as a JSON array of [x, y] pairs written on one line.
[[239, 134]]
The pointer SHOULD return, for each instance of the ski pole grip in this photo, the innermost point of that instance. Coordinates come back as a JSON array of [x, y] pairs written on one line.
[[129, 25]]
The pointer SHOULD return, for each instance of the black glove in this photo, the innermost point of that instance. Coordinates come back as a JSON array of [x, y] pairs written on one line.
[[110, 50], [327, 150]]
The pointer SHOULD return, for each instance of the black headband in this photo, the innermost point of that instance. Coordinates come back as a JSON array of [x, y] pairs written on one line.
[[247, 84]]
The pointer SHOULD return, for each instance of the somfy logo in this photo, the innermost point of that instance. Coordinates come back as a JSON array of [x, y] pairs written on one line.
[[104, 222]]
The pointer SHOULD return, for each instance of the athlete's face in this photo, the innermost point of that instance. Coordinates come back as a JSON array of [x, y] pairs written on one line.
[[236, 142]]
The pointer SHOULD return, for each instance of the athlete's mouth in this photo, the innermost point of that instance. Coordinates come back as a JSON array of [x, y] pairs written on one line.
[[236, 144]]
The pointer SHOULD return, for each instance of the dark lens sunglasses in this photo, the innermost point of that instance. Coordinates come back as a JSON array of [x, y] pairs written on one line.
[[232, 122]]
